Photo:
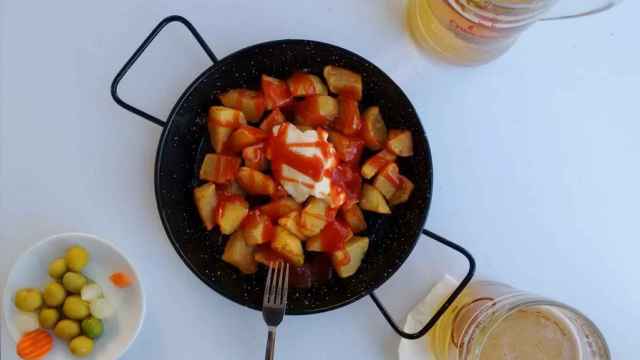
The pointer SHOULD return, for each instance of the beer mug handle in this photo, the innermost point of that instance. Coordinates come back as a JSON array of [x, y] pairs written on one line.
[[560, 13]]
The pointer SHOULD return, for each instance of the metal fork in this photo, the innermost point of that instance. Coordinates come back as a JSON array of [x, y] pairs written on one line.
[[274, 302]]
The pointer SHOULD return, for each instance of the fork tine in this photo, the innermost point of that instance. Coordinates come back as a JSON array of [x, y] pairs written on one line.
[[274, 284], [267, 286], [278, 299], [286, 286], [280, 283]]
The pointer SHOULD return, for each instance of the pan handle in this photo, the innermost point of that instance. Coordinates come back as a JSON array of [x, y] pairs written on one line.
[[445, 306], [132, 60]]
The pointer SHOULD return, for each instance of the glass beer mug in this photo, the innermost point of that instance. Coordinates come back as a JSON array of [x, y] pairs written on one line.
[[494, 321], [472, 32]]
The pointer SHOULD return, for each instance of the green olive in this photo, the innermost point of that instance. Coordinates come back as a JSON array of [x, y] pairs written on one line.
[[49, 318], [75, 308], [28, 299], [81, 346], [92, 327], [54, 294], [77, 258], [67, 329], [57, 268], [74, 282]]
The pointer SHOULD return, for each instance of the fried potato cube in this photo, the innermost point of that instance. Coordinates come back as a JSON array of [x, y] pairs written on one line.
[[280, 207], [257, 228], [226, 117], [251, 103], [333, 237], [346, 185], [344, 82], [347, 261], [221, 123], [288, 245], [276, 92], [254, 157], [291, 222], [374, 131], [317, 110], [231, 210], [206, 200], [219, 169], [348, 121], [315, 216], [314, 244], [279, 193], [274, 118], [254, 182], [303, 84], [348, 149], [400, 142], [376, 163], [372, 200], [243, 137], [354, 217], [239, 254], [263, 254], [337, 197], [388, 180], [403, 193], [231, 188]]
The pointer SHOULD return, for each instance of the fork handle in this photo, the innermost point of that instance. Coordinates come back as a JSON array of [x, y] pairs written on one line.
[[271, 344]]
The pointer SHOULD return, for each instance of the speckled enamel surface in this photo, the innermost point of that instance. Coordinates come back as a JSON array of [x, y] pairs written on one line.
[[184, 142]]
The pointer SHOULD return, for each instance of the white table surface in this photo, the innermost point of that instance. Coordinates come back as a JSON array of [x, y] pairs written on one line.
[[536, 160]]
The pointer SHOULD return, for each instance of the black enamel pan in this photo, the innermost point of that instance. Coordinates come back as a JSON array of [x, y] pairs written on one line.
[[184, 141]]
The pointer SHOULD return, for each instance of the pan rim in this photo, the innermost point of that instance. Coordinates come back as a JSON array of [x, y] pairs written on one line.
[[165, 222]]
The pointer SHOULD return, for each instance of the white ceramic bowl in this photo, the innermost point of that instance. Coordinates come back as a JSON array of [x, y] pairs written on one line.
[[120, 330]]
